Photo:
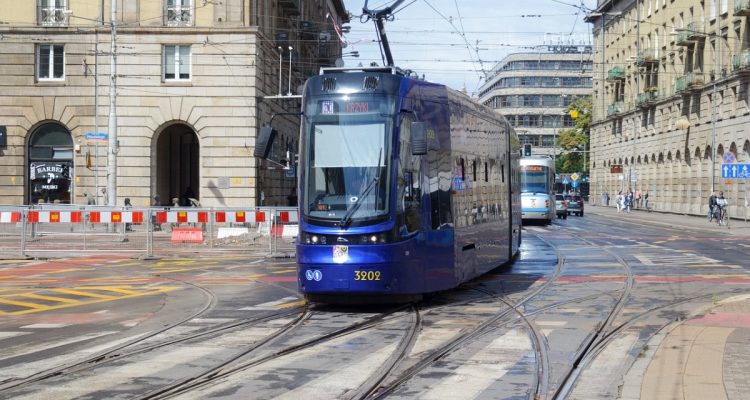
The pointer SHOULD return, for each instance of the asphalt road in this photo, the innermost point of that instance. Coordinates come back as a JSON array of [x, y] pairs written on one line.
[[570, 318]]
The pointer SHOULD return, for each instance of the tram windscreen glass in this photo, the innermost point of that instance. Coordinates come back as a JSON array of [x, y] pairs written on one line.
[[534, 179], [347, 155]]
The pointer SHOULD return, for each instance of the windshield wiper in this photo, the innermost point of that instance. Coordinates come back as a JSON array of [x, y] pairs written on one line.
[[347, 219]]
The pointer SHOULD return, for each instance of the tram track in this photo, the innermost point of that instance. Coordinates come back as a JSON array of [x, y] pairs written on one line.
[[136, 346]]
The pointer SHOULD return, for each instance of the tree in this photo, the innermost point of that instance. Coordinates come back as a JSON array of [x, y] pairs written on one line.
[[575, 141]]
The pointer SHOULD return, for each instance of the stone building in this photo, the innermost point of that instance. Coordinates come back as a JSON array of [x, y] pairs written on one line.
[[192, 84], [671, 101], [532, 90]]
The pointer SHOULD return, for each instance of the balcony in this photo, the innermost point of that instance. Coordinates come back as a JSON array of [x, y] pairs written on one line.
[[179, 16], [741, 62], [646, 56], [616, 74], [696, 30], [617, 108], [682, 38], [741, 8], [645, 99], [53, 16], [688, 82]]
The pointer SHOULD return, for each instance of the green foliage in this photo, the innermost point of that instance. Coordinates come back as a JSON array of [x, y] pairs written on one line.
[[575, 140]]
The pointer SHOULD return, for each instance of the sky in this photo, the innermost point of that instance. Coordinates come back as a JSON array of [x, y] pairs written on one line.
[[454, 42]]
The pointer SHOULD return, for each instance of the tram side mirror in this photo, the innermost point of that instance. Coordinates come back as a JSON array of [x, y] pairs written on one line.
[[418, 139], [265, 142]]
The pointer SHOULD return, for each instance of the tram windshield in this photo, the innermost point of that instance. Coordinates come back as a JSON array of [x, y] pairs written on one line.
[[535, 179], [346, 155]]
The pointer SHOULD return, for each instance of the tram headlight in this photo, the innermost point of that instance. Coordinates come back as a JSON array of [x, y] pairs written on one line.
[[309, 238], [373, 238]]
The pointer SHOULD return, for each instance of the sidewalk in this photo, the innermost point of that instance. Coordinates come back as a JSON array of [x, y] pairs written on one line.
[[737, 227], [706, 356]]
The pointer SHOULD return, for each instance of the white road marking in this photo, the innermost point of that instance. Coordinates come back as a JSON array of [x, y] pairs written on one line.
[[44, 326], [483, 369], [271, 305], [25, 350], [23, 370], [5, 335]]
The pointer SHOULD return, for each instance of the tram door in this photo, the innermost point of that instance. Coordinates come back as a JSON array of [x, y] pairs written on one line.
[[177, 165]]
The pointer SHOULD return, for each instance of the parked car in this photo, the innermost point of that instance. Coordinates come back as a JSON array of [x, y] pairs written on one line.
[[561, 206], [575, 204]]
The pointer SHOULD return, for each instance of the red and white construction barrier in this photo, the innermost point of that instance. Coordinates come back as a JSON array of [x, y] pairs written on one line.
[[115, 217], [9, 217], [54, 216], [288, 216], [240, 216], [181, 216]]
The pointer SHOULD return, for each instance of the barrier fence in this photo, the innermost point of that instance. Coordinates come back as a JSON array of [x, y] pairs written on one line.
[[53, 229]]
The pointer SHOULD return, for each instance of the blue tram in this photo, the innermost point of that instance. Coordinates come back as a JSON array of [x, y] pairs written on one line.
[[538, 189], [405, 187]]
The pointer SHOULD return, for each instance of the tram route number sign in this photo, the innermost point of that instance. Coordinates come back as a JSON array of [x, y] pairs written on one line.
[[735, 171]]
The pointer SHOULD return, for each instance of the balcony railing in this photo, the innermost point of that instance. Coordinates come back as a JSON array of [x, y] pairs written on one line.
[[696, 30], [741, 61], [179, 16], [646, 56], [682, 38], [741, 7], [53, 16], [616, 73], [689, 81], [645, 99], [616, 108]]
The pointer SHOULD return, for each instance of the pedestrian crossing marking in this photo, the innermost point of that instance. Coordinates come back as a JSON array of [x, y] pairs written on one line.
[[682, 260], [21, 303]]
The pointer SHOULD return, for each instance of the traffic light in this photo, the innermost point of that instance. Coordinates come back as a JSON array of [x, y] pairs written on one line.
[[527, 150], [585, 177]]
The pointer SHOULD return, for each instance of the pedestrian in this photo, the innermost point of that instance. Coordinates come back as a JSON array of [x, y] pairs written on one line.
[[638, 198], [128, 225], [619, 201], [711, 206], [645, 199], [606, 198], [155, 203], [630, 199], [291, 199]]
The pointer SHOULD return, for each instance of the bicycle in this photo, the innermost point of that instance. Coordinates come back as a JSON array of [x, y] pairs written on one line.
[[721, 215]]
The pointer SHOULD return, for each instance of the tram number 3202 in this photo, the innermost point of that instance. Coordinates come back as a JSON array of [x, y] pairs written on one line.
[[366, 275]]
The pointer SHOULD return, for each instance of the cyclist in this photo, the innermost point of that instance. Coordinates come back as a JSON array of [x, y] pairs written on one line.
[[721, 208]]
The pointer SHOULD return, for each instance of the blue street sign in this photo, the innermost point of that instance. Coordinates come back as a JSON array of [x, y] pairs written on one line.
[[575, 184], [735, 171], [97, 137], [729, 157], [565, 181]]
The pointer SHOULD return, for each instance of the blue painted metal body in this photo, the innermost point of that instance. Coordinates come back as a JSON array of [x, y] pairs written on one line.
[[455, 243]]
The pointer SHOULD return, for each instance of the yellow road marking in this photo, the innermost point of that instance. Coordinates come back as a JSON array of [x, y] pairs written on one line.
[[84, 294], [22, 304], [292, 304], [49, 298], [283, 271], [97, 298]]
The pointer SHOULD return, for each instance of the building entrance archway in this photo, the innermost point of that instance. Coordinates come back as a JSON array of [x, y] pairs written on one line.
[[177, 165], [50, 161]]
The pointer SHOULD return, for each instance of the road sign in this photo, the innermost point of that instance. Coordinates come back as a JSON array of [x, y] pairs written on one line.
[[634, 175], [574, 176], [96, 137], [565, 181], [729, 157], [735, 171], [574, 184]]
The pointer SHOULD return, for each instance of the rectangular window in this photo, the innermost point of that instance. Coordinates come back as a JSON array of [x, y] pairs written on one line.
[[177, 63], [52, 12], [178, 12], [50, 62]]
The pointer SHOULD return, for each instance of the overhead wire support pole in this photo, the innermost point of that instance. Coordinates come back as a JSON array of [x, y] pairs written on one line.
[[113, 146]]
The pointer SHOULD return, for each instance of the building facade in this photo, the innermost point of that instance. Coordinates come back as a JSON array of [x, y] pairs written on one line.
[[671, 101], [532, 90], [190, 83]]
